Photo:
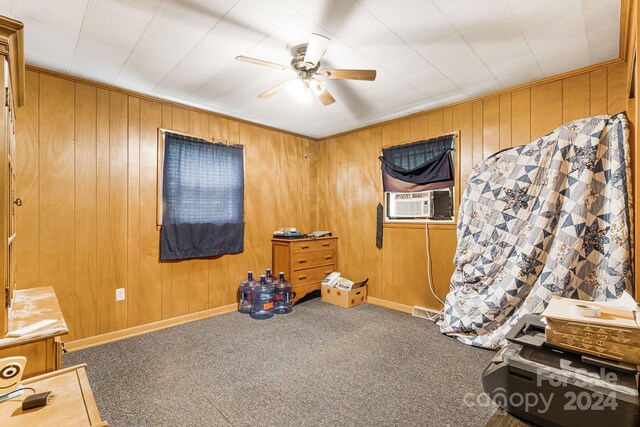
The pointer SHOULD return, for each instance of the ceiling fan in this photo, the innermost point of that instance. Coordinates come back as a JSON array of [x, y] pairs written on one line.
[[306, 63]]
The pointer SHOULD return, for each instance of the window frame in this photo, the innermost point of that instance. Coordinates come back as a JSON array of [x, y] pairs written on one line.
[[456, 183], [160, 170]]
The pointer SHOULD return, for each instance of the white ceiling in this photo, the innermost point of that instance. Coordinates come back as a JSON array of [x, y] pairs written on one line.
[[427, 52]]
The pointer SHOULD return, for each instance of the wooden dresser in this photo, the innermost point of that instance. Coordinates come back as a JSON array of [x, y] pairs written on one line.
[[42, 347], [305, 262], [74, 404]]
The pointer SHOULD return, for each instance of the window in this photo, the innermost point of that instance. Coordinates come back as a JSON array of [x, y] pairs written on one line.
[[419, 179], [201, 188]]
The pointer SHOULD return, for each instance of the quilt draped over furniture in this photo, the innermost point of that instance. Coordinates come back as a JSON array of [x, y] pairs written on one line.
[[548, 218]]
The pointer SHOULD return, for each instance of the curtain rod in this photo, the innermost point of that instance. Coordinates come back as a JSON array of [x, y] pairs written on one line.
[[219, 141]]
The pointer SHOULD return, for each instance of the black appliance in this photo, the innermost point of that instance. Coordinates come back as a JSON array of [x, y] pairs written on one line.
[[443, 204], [557, 388]]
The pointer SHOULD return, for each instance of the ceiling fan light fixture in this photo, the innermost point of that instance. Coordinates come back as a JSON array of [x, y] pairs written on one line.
[[315, 49], [317, 86], [306, 64], [305, 96], [299, 89], [294, 87]]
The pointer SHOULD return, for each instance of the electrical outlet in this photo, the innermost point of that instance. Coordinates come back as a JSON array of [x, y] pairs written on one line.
[[120, 294]]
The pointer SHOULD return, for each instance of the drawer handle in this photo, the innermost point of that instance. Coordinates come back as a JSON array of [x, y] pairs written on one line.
[[304, 246], [302, 277], [327, 272], [302, 260], [326, 244], [328, 257]]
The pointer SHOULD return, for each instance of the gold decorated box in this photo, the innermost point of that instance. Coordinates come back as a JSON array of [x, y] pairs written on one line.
[[614, 335]]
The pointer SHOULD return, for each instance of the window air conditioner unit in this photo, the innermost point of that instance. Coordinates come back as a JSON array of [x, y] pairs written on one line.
[[410, 205]]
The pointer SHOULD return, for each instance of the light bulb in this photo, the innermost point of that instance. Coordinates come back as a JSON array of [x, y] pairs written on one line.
[[294, 87], [305, 96], [299, 89], [317, 86]]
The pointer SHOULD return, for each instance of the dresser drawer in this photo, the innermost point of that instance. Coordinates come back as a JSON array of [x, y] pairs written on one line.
[[303, 246], [301, 261], [325, 244], [313, 245], [310, 275]]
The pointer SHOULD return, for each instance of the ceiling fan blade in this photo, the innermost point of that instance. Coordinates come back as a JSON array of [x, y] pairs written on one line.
[[326, 98], [349, 74], [260, 62], [315, 49], [270, 92]]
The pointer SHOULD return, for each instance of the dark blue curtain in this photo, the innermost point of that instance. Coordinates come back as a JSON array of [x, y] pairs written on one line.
[[203, 199], [419, 166]]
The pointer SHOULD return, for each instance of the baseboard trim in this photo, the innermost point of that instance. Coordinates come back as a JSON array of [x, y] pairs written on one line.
[[149, 327], [390, 304]]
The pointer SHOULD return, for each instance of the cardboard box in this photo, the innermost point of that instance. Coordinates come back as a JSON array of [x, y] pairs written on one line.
[[346, 299], [614, 335]]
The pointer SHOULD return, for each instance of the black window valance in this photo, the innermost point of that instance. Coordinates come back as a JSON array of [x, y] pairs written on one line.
[[203, 198], [419, 166]]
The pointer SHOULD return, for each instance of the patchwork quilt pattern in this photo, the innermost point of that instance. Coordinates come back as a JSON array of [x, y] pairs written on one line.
[[548, 218]]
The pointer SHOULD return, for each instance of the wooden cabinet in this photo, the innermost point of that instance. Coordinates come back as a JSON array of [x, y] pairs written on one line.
[[43, 346], [12, 79], [305, 262], [74, 404]]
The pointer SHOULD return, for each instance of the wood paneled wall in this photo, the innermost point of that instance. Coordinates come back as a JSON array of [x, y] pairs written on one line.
[[349, 185], [86, 170]]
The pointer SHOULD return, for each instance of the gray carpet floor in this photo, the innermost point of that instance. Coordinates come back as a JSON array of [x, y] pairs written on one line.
[[320, 365]]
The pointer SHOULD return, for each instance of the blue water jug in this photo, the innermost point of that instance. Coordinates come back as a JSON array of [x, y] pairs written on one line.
[[245, 294], [269, 277], [262, 307], [282, 296]]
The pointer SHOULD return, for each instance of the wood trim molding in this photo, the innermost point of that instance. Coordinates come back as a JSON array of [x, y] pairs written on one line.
[[630, 54], [482, 97], [149, 327], [627, 20], [12, 35], [159, 179], [408, 224], [420, 225], [112, 88], [390, 304]]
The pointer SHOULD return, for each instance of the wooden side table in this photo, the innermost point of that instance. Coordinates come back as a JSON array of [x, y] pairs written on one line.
[[73, 405]]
